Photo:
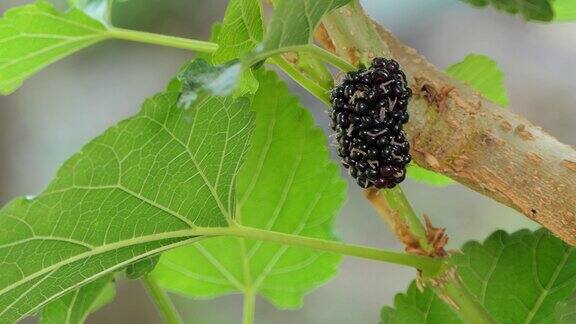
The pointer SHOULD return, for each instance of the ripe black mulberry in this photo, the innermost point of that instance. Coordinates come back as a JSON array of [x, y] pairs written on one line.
[[367, 115]]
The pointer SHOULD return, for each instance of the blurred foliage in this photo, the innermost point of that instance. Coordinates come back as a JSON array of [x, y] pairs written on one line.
[[175, 17], [564, 10], [539, 10], [483, 75]]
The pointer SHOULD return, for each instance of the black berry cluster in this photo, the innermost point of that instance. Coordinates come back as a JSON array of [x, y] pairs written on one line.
[[367, 114]]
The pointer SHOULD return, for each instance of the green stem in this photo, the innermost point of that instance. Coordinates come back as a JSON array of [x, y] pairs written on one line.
[[311, 49], [162, 301], [398, 202], [314, 88], [327, 56], [428, 265], [465, 304], [249, 307], [164, 40]]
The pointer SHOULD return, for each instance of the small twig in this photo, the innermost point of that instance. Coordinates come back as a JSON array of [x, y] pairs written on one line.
[[381, 206], [162, 301], [408, 218]]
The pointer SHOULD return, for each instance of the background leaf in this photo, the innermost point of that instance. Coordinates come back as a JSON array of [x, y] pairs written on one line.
[[539, 10], [520, 278], [564, 10], [287, 184], [74, 307], [419, 174], [482, 74], [36, 35], [142, 187]]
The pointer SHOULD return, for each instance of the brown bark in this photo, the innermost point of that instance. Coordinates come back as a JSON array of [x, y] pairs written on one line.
[[457, 132]]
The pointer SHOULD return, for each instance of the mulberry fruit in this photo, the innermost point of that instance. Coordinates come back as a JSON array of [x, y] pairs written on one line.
[[367, 115]]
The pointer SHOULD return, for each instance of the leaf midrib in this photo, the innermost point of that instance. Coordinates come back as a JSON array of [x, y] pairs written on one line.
[[544, 292]]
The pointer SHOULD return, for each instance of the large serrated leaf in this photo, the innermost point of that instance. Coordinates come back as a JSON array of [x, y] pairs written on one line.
[[74, 307], [522, 277], [417, 306], [145, 186], [36, 35], [288, 184]]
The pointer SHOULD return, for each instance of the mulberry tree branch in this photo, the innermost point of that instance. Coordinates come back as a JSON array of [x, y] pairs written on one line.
[[457, 132]]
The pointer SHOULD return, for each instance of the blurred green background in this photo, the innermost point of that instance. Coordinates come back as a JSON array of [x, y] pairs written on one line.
[[72, 101]]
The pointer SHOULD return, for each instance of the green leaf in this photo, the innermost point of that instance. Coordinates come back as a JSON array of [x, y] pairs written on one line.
[[428, 177], [151, 183], [482, 74], [141, 268], [418, 307], [539, 10], [520, 278], [199, 78], [564, 10], [242, 29], [293, 24], [287, 184], [566, 311], [200, 75], [97, 9], [36, 35], [75, 306]]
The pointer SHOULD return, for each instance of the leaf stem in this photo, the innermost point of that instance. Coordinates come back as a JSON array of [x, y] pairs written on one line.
[[470, 310], [315, 51], [164, 40], [426, 264], [162, 301], [329, 57], [249, 307], [314, 88]]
